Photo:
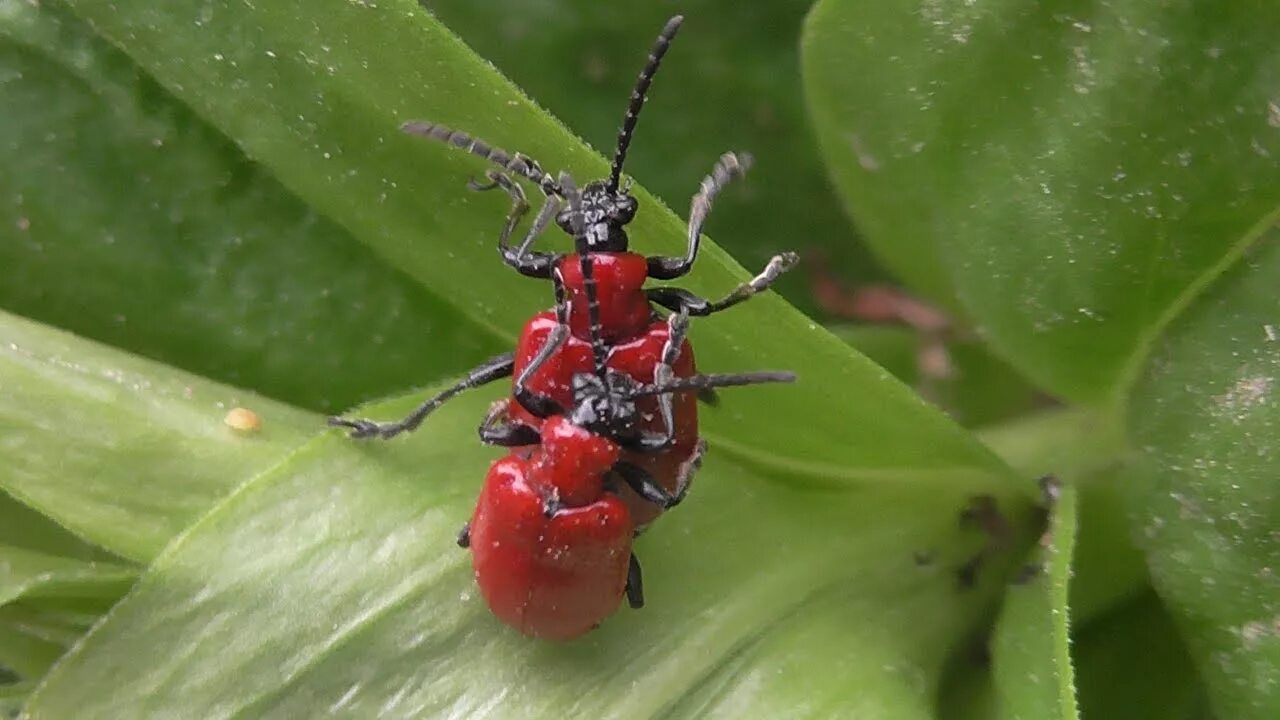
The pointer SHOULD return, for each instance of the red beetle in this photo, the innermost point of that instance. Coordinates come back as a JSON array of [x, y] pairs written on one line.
[[550, 536], [556, 345]]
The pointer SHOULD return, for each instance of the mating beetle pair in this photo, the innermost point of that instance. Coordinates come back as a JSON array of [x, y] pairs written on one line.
[[602, 420]]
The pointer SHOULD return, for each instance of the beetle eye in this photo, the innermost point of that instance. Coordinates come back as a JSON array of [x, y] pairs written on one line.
[[625, 209]]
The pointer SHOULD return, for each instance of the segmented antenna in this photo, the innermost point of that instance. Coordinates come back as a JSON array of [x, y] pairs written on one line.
[[587, 267], [701, 382], [517, 163], [638, 94]]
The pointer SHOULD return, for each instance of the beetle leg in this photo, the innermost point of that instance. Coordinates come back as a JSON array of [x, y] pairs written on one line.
[[506, 433], [543, 405], [531, 264], [663, 372], [727, 167], [635, 584], [679, 299], [688, 469], [499, 366], [639, 479], [510, 435]]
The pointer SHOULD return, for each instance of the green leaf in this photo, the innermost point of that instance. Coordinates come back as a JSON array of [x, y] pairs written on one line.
[[27, 574], [1074, 173], [331, 585], [27, 655], [1204, 500], [1130, 663], [968, 692], [896, 349], [24, 528], [45, 569], [317, 96], [1105, 569], [12, 697], [1108, 568], [730, 82], [978, 390], [32, 639], [1064, 442], [1085, 450], [131, 221], [47, 602], [121, 454], [1031, 647]]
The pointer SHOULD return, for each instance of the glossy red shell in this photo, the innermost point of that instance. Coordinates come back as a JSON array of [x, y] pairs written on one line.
[[637, 357], [557, 577], [620, 278]]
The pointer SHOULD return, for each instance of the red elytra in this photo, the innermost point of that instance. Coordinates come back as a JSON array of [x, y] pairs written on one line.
[[550, 536], [552, 577], [637, 357]]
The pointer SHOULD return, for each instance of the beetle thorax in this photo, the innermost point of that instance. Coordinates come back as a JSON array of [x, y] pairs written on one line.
[[625, 311]]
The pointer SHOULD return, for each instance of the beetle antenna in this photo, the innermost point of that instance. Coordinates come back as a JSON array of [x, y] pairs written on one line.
[[587, 267], [518, 163], [638, 94], [702, 382]]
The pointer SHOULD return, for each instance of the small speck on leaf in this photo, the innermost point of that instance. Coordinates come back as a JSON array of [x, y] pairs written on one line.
[[243, 420]]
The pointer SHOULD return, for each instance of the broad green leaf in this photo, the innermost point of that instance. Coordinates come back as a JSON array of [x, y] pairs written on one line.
[[118, 453], [27, 574], [32, 639], [978, 388], [730, 82], [1064, 442], [1130, 663], [129, 220], [43, 569], [1108, 569], [967, 691], [1031, 647], [37, 591], [1205, 500], [28, 655], [12, 697], [1084, 449], [896, 349], [1073, 172], [23, 527], [331, 585], [317, 95]]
